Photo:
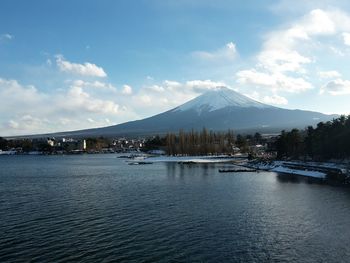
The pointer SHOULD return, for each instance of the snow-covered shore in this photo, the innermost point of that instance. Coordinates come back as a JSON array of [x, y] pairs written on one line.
[[316, 174], [308, 169], [187, 159]]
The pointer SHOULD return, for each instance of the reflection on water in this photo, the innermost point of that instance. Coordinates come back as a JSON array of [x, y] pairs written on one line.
[[94, 208], [292, 178], [288, 178], [183, 169]]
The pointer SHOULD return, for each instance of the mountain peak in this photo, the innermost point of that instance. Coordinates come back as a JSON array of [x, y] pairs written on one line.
[[218, 98]]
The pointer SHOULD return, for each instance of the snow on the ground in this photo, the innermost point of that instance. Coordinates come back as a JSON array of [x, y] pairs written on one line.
[[309, 169], [316, 164], [281, 169], [275, 166], [189, 159]]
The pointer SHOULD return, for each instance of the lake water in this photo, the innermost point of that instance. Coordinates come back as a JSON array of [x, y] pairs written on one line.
[[96, 208]]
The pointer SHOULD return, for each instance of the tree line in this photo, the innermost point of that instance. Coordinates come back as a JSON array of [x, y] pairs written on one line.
[[326, 141], [199, 143], [202, 142]]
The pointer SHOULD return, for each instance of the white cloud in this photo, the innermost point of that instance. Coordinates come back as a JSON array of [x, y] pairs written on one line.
[[346, 37], [127, 90], [12, 124], [171, 84], [203, 85], [6, 36], [337, 87], [290, 49], [329, 74], [94, 84], [155, 88], [283, 63], [26, 110], [274, 81], [282, 60], [319, 22], [145, 99], [282, 49], [26, 123], [228, 52], [252, 76], [285, 8], [78, 99], [178, 89], [86, 69], [337, 51], [13, 94], [274, 99]]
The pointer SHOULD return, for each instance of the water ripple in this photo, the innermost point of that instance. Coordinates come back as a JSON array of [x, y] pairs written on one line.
[[97, 209]]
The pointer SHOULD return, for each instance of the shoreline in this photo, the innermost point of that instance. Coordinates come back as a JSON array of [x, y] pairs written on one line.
[[330, 172], [186, 159]]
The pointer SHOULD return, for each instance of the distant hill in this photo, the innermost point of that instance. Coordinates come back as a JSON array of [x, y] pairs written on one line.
[[219, 109]]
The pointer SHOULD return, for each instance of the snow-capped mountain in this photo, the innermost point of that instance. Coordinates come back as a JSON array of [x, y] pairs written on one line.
[[219, 109], [219, 98]]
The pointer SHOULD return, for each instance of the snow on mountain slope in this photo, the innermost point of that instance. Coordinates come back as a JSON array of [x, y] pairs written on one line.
[[219, 98]]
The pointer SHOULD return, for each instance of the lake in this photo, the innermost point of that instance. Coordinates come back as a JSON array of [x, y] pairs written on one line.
[[96, 208]]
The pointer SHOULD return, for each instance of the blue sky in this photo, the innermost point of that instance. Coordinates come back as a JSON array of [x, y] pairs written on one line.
[[68, 65]]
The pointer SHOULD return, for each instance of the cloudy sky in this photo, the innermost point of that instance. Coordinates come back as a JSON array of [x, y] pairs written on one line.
[[67, 65]]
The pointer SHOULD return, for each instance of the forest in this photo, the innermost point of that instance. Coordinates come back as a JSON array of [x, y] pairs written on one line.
[[203, 142], [328, 140]]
